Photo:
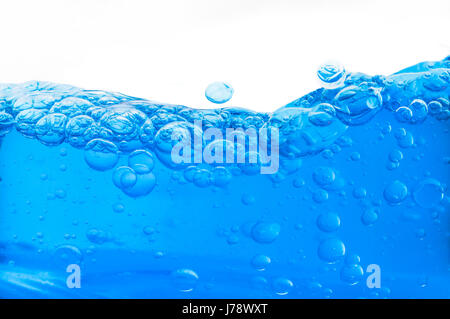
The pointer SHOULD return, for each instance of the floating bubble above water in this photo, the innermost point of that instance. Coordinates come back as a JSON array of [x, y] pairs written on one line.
[[428, 193], [265, 232], [395, 192], [184, 280], [331, 250], [219, 92], [101, 155], [330, 73]]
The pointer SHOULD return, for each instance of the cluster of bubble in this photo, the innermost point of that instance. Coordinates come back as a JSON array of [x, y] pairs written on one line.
[[107, 125]]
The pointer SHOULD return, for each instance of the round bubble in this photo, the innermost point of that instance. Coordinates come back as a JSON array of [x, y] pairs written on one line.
[[352, 274], [419, 111], [331, 250], [124, 177], [260, 262], [331, 73], [67, 254], [143, 186], [219, 92], [322, 114], [50, 129], [101, 155], [265, 232], [428, 193], [328, 222], [320, 196], [395, 156], [395, 192], [221, 176], [324, 176], [282, 286], [370, 216], [403, 114], [202, 178], [434, 107], [184, 280], [356, 105], [141, 161]]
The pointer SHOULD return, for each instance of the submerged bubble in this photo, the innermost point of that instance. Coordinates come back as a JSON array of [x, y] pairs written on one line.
[[331, 250], [352, 274], [428, 193], [370, 216], [50, 129], [221, 176], [101, 155], [141, 161], [403, 114], [67, 254], [328, 222], [184, 280], [419, 111], [265, 232], [324, 176], [260, 262], [219, 92], [395, 192], [282, 286]]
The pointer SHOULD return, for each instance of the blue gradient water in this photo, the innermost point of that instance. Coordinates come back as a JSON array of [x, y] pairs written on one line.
[[87, 179]]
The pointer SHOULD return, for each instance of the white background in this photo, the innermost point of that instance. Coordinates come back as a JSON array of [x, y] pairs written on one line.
[[170, 50]]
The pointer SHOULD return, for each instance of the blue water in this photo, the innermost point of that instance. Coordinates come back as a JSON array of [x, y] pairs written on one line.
[[86, 178]]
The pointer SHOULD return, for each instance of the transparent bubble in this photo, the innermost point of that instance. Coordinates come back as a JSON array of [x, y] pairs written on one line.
[[101, 155], [331, 73], [265, 232], [50, 129], [260, 262], [219, 92], [324, 176], [395, 192], [141, 161], [428, 193], [202, 178], [282, 286], [403, 114], [352, 274], [370, 216], [221, 176], [331, 250], [419, 111], [184, 280], [328, 222], [67, 254]]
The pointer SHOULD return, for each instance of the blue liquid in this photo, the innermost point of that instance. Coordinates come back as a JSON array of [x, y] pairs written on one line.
[[87, 179]]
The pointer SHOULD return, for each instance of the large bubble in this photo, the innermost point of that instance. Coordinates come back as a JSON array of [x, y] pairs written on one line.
[[101, 155]]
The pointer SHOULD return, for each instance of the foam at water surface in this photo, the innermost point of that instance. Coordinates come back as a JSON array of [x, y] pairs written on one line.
[[361, 179]]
